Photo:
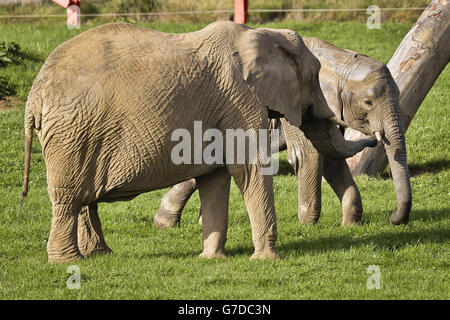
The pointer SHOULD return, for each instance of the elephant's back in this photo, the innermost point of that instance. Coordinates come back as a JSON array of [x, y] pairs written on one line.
[[109, 73], [104, 49]]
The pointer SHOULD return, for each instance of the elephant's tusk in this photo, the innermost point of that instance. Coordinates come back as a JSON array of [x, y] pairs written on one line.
[[339, 122], [378, 136]]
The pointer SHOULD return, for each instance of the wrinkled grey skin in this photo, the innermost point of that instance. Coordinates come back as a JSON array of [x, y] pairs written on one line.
[[361, 93], [105, 104]]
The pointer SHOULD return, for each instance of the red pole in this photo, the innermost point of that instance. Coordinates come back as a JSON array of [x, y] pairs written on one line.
[[240, 11], [67, 3]]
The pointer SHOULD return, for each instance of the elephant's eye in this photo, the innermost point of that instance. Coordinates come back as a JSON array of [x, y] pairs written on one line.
[[368, 102], [291, 57]]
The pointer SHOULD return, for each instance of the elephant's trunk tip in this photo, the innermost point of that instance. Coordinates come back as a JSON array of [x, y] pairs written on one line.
[[401, 216]]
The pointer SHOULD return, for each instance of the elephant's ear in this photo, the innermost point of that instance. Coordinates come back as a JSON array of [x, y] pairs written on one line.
[[270, 70], [328, 56], [329, 87]]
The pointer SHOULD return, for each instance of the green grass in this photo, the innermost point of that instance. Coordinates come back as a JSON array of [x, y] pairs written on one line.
[[323, 261]]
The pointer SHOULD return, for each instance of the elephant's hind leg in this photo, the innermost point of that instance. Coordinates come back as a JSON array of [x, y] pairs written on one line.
[[62, 244], [90, 235], [214, 190], [309, 178]]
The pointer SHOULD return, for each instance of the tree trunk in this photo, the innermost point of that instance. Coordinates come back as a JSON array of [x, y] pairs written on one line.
[[415, 66]]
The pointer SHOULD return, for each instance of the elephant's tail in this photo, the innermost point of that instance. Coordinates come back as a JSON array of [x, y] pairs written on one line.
[[29, 127]]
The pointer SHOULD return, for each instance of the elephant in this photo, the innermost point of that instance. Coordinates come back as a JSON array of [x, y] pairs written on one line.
[[106, 104], [363, 95]]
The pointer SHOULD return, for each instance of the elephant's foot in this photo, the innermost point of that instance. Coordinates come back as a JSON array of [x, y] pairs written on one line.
[[213, 245], [352, 208], [352, 219], [307, 216], [98, 251], [208, 254], [351, 216], [64, 258], [166, 219], [89, 246], [266, 254], [59, 254], [265, 248]]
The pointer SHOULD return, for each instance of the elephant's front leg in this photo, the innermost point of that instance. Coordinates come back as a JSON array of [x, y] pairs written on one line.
[[90, 235], [172, 204], [257, 191], [337, 174], [308, 167], [214, 191], [309, 178]]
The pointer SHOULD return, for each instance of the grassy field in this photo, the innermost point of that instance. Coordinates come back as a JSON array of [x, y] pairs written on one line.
[[323, 261]]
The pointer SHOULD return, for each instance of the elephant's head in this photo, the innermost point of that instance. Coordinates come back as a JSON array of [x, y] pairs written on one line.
[[362, 93], [284, 76]]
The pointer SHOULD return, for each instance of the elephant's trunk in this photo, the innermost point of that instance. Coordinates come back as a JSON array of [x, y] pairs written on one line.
[[394, 144], [328, 140]]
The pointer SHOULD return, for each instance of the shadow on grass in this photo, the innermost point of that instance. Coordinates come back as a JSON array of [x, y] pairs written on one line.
[[415, 216], [391, 241], [430, 215], [433, 166], [166, 254]]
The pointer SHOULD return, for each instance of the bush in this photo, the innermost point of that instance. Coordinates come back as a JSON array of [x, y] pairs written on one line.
[[6, 89], [9, 53]]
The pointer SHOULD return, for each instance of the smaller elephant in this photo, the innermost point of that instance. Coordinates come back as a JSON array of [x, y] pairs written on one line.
[[363, 95]]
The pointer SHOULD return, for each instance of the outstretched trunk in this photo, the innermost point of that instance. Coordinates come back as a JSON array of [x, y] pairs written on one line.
[[394, 144]]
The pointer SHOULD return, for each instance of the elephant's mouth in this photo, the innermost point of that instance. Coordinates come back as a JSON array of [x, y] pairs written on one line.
[[362, 128], [273, 114]]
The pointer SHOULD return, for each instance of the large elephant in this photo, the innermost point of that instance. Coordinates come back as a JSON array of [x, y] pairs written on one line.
[[362, 93], [106, 103]]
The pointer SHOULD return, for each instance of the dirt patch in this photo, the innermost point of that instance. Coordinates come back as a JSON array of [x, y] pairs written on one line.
[[10, 103]]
